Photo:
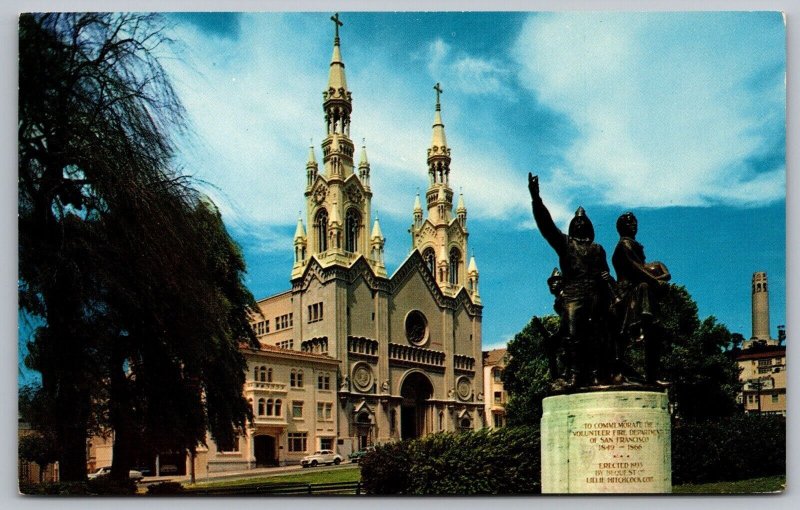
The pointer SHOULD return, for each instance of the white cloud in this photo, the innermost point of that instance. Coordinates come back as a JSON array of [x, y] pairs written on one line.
[[664, 104], [468, 74]]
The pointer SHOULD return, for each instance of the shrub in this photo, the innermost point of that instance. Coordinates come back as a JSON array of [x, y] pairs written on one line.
[[504, 461], [55, 489], [165, 488], [731, 448]]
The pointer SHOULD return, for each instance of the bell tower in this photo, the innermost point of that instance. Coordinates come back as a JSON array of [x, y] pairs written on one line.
[[338, 198], [441, 237]]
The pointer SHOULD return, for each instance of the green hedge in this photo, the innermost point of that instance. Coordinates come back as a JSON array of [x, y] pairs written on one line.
[[732, 448], [505, 461], [101, 486], [165, 488]]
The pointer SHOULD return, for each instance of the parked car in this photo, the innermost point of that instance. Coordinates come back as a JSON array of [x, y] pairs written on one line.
[[106, 471], [321, 457], [357, 456]]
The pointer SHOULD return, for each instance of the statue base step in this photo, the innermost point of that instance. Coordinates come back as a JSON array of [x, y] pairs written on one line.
[[606, 442]]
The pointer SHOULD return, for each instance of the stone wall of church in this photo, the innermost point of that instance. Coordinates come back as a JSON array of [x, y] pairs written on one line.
[[361, 311]]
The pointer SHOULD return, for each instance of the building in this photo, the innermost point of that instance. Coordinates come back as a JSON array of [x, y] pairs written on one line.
[[763, 378], [293, 395], [494, 362], [408, 346], [762, 359]]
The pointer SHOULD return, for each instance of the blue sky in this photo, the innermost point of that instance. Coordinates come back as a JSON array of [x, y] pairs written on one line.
[[679, 117]]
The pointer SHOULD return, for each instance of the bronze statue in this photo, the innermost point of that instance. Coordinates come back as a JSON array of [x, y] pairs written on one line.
[[640, 284], [587, 293], [552, 341]]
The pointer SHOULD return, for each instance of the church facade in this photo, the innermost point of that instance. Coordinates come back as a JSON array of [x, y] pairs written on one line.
[[408, 345]]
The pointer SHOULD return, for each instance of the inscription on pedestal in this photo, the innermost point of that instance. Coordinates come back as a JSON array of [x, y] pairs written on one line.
[[621, 450]]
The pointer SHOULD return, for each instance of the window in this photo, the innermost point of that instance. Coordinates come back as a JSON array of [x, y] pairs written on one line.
[[498, 420], [430, 260], [465, 424], [764, 362], [259, 328], [321, 226], [283, 322], [286, 344], [297, 441], [323, 382], [315, 312], [326, 443], [498, 374], [296, 378], [498, 397], [262, 407], [232, 447], [269, 407], [352, 225], [278, 407], [269, 374], [324, 411], [297, 409], [455, 262], [775, 398]]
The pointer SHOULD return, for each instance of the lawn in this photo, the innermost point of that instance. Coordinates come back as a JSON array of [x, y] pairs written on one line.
[[353, 474], [753, 485], [345, 474]]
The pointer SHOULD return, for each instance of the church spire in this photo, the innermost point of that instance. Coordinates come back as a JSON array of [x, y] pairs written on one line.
[[337, 99], [363, 166], [439, 159], [311, 167]]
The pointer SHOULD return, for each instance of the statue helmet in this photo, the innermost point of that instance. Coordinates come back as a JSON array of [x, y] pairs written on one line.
[[581, 228], [555, 276]]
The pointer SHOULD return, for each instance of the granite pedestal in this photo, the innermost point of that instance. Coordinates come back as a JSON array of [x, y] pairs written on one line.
[[606, 442]]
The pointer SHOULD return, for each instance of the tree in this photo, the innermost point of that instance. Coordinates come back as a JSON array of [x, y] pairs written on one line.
[[39, 445], [526, 376], [694, 359], [137, 281], [40, 449]]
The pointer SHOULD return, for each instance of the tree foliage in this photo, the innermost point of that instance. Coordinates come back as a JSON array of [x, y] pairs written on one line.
[[133, 273], [703, 376], [526, 377]]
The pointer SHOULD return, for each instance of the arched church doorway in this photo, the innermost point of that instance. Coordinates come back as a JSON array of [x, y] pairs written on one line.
[[363, 430], [414, 410], [264, 450]]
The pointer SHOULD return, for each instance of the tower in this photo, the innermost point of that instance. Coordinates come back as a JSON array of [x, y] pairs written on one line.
[[441, 238], [760, 307], [338, 199]]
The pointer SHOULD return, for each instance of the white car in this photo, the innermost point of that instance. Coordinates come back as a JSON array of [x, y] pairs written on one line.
[[321, 457], [106, 471]]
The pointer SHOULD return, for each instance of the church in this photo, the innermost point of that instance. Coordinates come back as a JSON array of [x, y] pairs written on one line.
[[352, 356]]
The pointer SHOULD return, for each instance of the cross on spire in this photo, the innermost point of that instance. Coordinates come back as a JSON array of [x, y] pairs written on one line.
[[438, 90], [336, 24]]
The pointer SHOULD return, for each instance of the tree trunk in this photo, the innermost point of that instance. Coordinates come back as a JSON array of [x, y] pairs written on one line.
[[120, 415]]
